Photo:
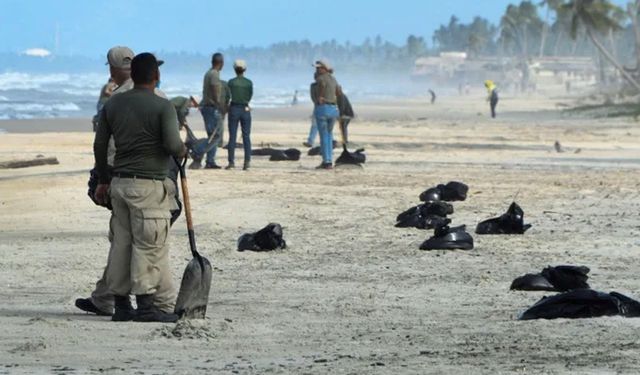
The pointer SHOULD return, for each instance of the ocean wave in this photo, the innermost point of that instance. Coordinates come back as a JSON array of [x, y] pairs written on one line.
[[38, 107]]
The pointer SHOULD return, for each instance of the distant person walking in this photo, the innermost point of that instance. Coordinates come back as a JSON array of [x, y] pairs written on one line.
[[326, 112], [241, 90], [433, 96], [493, 96], [294, 101], [346, 114], [213, 108]]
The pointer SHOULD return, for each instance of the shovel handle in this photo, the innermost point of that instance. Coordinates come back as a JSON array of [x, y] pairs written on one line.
[[187, 206]]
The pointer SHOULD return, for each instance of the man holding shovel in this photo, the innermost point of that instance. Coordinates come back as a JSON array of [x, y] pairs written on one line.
[[101, 301], [145, 130]]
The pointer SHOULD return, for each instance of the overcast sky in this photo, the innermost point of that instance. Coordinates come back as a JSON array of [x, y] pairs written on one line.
[[90, 27]]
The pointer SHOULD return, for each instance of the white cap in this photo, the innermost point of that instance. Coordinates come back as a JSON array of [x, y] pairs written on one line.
[[240, 64], [323, 63]]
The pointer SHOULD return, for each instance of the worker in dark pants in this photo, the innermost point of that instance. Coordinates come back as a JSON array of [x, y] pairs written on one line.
[[241, 90], [493, 96]]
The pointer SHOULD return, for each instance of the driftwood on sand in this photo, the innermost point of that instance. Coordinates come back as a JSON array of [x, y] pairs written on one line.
[[12, 164]]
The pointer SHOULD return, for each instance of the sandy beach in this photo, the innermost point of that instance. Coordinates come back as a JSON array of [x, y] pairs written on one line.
[[351, 294]]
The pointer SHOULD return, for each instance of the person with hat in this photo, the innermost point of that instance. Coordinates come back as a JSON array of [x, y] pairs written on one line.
[[241, 90], [144, 128], [326, 112], [101, 301], [213, 107]]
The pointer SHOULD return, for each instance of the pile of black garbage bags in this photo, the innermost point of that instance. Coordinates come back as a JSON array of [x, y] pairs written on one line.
[[575, 300], [433, 214]]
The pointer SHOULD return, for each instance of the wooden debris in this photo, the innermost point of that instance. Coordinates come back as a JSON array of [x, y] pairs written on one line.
[[12, 164]]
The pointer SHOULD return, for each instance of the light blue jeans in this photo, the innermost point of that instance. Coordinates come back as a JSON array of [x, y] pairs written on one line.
[[326, 116], [213, 122]]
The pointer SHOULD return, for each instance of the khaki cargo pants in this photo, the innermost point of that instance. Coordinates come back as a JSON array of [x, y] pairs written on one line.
[[143, 210]]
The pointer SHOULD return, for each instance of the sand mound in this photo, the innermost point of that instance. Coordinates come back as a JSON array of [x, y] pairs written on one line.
[[187, 329]]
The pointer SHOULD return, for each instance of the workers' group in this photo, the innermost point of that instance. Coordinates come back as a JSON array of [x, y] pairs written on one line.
[[137, 151]]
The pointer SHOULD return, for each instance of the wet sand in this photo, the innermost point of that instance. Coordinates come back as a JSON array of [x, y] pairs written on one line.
[[351, 294]]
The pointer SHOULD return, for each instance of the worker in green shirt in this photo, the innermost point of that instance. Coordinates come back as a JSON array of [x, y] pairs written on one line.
[[182, 104], [241, 90], [145, 131]]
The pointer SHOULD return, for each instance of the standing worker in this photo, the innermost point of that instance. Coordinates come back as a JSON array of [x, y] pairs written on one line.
[[101, 301], [346, 114], [145, 131], [241, 90], [213, 107], [493, 96], [326, 112]]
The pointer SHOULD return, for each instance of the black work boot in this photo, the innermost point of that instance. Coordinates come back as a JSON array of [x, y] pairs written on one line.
[[148, 312], [86, 305], [124, 312]]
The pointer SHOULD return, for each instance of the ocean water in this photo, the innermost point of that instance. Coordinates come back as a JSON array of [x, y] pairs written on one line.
[[33, 95]]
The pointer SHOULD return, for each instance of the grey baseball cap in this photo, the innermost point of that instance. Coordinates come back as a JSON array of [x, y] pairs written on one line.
[[120, 57]]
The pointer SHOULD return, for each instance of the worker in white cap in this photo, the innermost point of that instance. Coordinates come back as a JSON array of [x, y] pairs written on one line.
[[241, 90]]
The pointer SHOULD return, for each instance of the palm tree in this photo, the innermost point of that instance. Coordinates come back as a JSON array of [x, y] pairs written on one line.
[[598, 16], [550, 5], [633, 10]]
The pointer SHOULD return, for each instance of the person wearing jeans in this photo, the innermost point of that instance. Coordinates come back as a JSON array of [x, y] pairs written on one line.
[[239, 113], [212, 106], [326, 112]]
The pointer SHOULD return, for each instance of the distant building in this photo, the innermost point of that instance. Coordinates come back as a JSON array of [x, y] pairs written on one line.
[[36, 52]]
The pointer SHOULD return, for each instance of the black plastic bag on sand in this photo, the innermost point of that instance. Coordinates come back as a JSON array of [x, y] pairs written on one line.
[[290, 154], [582, 303], [511, 222], [437, 208], [358, 157], [532, 281], [266, 239], [559, 278], [417, 220], [446, 238], [451, 192]]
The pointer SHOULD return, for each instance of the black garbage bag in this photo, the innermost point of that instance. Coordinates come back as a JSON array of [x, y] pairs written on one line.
[[582, 303], [511, 222], [274, 154], [558, 278], [419, 221], [532, 281], [565, 278], [425, 216], [451, 192], [358, 157], [290, 154], [446, 238], [263, 151], [266, 239]]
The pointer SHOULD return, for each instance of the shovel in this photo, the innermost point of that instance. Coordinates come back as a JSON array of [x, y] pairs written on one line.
[[199, 147], [196, 280]]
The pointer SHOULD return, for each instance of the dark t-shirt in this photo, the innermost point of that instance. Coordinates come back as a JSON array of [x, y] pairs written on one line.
[[145, 132]]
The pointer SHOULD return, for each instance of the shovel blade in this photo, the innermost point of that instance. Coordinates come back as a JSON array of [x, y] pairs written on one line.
[[194, 289]]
